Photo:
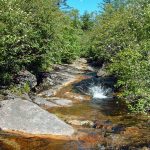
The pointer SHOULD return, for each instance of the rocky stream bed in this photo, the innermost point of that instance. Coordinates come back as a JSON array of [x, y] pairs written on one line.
[[63, 114]]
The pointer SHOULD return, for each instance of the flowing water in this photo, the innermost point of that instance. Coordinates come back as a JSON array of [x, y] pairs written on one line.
[[98, 92], [112, 127]]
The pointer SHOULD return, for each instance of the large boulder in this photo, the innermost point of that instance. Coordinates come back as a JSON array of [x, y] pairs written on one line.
[[24, 77], [25, 116]]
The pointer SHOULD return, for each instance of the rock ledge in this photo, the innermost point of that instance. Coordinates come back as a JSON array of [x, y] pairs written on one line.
[[25, 116]]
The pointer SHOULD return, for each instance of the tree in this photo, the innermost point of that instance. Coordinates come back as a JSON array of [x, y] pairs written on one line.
[[74, 16], [87, 21], [107, 1]]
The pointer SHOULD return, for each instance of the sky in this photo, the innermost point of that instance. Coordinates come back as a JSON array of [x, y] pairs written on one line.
[[84, 5]]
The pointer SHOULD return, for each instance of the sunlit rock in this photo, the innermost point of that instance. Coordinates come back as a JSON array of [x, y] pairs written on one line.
[[25, 116]]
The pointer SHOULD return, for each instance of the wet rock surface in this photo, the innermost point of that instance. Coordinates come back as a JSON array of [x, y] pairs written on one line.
[[84, 123], [76, 96], [98, 124], [61, 74], [61, 101], [43, 102], [104, 125]]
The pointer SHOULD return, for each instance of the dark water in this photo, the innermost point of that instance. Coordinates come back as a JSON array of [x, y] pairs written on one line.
[[116, 129]]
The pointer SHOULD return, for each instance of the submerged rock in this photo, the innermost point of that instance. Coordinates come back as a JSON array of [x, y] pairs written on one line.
[[118, 128], [47, 93], [92, 138], [105, 125], [43, 102], [25, 116], [76, 97], [75, 122], [85, 123], [61, 101], [131, 131]]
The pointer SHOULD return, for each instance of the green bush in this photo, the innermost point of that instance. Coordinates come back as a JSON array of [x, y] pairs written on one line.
[[121, 39], [19, 90], [34, 35], [132, 70]]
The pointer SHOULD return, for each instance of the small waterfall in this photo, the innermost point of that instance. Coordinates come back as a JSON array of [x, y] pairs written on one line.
[[98, 88], [99, 92]]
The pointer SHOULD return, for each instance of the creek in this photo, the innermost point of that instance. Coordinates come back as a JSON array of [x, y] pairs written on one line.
[[99, 120]]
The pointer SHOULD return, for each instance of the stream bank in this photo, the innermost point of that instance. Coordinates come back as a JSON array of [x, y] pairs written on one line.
[[98, 124]]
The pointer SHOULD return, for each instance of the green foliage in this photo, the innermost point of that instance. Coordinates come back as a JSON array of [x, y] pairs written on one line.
[[26, 88], [87, 21], [132, 70], [67, 41], [121, 38], [20, 90], [74, 15], [34, 34]]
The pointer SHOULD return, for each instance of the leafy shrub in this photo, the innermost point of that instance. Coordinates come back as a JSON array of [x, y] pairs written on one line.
[[20, 89], [132, 70], [34, 34], [121, 38]]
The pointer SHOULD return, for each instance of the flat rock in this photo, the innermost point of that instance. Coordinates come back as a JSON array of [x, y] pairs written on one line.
[[49, 92], [25, 116], [43, 102], [61, 102], [74, 122], [76, 96]]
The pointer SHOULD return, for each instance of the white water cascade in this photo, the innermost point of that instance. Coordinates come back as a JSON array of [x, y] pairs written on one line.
[[99, 92]]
